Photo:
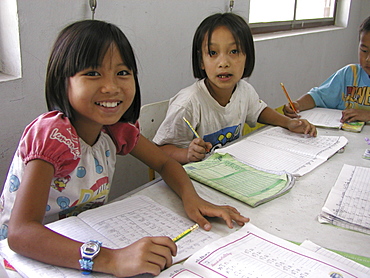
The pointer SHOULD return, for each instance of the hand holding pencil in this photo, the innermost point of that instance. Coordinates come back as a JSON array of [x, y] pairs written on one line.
[[198, 148], [291, 109]]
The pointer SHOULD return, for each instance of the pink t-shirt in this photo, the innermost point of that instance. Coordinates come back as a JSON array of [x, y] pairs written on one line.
[[83, 173]]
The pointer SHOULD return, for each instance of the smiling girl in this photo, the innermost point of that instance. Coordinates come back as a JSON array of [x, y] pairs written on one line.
[[66, 157]]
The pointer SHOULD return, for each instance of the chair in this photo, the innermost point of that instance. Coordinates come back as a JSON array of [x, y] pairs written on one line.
[[151, 117]]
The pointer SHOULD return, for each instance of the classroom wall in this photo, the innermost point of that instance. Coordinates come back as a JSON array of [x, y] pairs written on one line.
[[161, 33]]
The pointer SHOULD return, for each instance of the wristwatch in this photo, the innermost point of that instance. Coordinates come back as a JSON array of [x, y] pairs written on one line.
[[89, 250]]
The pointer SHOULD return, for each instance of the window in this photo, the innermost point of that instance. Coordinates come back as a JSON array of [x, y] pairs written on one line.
[[283, 15], [10, 56]]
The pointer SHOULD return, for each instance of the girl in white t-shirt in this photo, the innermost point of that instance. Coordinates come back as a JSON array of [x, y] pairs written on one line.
[[66, 157], [220, 102]]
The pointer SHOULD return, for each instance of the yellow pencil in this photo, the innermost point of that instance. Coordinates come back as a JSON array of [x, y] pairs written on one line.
[[188, 231], [190, 126], [288, 97], [193, 130]]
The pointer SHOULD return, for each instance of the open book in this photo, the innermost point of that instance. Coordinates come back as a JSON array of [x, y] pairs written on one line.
[[330, 118], [348, 203], [239, 180], [252, 252], [117, 225], [278, 149]]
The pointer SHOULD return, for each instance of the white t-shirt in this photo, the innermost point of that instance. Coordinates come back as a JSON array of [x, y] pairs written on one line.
[[214, 123]]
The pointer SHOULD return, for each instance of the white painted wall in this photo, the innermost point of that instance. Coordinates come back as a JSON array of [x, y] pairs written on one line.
[[161, 33]]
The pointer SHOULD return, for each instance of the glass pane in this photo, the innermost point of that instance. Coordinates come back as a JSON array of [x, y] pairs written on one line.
[[271, 10], [311, 9]]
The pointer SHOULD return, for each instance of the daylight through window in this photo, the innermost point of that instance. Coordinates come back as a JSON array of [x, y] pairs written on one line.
[[271, 15]]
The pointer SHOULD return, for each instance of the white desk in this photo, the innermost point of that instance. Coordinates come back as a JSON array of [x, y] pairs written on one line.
[[294, 215]]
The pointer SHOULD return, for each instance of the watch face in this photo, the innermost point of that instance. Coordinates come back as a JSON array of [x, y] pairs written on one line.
[[90, 248]]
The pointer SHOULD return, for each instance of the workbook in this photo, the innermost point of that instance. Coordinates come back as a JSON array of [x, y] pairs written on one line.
[[280, 150], [252, 252], [348, 203], [330, 118], [239, 180], [116, 225]]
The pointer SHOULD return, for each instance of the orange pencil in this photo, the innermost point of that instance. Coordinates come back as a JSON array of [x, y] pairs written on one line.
[[288, 97]]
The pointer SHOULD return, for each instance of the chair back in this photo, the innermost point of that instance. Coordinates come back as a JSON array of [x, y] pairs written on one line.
[[151, 117]]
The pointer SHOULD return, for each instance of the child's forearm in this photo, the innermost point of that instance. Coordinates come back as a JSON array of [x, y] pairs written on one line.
[[272, 117], [179, 154], [177, 178], [306, 102], [158, 159], [45, 245], [42, 244]]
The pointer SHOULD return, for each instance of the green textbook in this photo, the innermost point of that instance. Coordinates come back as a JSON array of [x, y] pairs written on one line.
[[250, 185]]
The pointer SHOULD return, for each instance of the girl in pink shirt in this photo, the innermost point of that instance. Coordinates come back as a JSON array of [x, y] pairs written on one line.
[[66, 157]]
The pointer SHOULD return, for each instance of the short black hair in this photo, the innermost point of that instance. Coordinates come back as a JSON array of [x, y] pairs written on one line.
[[82, 45], [242, 35], [365, 26]]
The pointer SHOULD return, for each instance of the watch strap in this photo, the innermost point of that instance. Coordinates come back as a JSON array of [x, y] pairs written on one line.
[[87, 264]]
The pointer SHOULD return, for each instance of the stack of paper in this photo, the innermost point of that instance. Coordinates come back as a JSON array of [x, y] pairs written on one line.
[[348, 203]]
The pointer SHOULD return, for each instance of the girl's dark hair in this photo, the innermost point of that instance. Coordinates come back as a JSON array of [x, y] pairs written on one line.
[[365, 26], [82, 45], [242, 35]]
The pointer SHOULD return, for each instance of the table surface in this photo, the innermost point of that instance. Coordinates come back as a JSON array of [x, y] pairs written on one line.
[[292, 216]]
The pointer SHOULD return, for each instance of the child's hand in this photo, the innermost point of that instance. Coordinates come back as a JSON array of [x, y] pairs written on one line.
[[302, 126], [197, 209], [288, 110], [198, 149], [352, 115], [147, 255]]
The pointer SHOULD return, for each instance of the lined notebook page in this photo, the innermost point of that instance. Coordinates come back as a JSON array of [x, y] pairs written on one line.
[[278, 149], [251, 252], [117, 225], [323, 117]]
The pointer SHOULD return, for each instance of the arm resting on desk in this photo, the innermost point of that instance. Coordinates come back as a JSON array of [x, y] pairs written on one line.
[[175, 176]]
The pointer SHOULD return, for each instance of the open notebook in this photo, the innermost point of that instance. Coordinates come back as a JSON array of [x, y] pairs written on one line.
[[280, 150], [116, 225], [330, 118], [252, 252]]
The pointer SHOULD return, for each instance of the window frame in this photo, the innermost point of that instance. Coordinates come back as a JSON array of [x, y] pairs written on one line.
[[291, 25], [10, 50]]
